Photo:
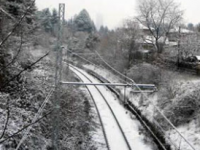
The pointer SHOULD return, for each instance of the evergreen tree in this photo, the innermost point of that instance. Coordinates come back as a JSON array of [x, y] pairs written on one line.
[[94, 27], [17, 8], [14, 10], [10, 14], [46, 20], [103, 30], [30, 17], [54, 18], [70, 25], [54, 21], [83, 22]]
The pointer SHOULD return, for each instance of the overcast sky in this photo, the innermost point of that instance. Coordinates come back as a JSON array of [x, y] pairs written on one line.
[[114, 11]]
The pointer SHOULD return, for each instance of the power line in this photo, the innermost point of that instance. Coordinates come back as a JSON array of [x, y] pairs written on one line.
[[83, 58], [114, 68], [145, 96], [141, 91], [163, 147]]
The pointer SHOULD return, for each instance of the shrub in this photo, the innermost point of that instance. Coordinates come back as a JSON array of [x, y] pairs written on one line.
[[182, 109], [145, 73]]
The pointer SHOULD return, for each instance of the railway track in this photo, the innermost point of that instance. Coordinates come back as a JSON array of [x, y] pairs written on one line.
[[158, 137], [114, 135], [150, 128]]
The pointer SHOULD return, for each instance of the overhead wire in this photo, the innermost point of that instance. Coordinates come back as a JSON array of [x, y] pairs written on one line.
[[125, 81], [76, 54], [163, 147], [142, 92], [114, 68], [83, 58], [133, 82]]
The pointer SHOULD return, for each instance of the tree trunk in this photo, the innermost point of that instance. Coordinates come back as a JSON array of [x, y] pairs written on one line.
[[159, 47], [130, 54]]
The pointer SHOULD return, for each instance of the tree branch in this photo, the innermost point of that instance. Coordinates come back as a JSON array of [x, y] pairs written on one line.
[[5, 12], [7, 118], [19, 50], [16, 76], [17, 24], [25, 127]]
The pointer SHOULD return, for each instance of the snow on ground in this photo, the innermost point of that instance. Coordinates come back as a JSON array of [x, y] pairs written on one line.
[[135, 98], [104, 73], [97, 134], [130, 127], [190, 131]]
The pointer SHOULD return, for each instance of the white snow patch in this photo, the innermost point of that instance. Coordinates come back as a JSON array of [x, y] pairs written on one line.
[[191, 131], [97, 135], [130, 127]]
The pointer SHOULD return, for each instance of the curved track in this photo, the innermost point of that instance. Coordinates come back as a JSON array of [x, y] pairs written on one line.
[[108, 119]]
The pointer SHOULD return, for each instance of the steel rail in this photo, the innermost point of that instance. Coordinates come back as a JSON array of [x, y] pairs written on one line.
[[142, 121], [163, 131], [129, 147], [98, 113], [160, 143], [161, 113], [145, 96], [149, 129], [86, 60], [151, 85]]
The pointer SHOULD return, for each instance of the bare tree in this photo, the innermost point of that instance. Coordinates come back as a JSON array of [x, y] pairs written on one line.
[[189, 45], [129, 43], [118, 47], [159, 16]]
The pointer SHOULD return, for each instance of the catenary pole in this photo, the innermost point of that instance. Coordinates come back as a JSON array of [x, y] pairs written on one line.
[[58, 77]]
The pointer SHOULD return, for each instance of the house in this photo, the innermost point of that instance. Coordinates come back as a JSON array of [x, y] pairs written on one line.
[[176, 33], [171, 38]]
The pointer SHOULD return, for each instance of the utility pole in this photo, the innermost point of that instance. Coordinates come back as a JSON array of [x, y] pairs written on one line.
[[179, 42], [58, 78]]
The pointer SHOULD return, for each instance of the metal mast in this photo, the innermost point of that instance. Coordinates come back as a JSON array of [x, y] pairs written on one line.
[[58, 77]]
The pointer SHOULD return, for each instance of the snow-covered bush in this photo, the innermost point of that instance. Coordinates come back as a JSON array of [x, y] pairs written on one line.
[[185, 108], [145, 73], [179, 102]]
